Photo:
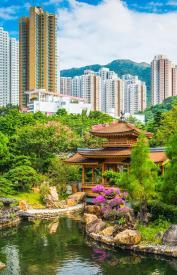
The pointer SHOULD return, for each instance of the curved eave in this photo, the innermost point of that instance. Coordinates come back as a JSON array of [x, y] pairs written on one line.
[[112, 134]]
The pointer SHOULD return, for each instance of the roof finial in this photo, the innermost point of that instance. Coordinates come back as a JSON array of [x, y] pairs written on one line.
[[122, 118]]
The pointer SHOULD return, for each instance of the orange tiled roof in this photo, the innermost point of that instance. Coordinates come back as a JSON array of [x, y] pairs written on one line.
[[91, 157], [105, 153], [158, 157], [77, 158], [116, 128]]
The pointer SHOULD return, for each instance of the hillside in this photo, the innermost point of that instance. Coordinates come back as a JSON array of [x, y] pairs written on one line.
[[120, 66]]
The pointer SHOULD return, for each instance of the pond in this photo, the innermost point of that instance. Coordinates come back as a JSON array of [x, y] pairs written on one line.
[[61, 247]]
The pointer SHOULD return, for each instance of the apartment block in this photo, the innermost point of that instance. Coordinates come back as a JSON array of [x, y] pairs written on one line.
[[9, 62], [163, 79], [38, 53], [134, 94]]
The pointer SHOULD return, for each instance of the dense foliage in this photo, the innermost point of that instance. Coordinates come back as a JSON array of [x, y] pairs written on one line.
[[33, 146]]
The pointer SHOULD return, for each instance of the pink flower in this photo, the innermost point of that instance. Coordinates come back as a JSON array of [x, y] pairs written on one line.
[[98, 200], [98, 189], [124, 209], [116, 202]]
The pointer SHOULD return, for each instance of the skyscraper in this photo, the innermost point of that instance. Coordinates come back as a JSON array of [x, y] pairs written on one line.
[[9, 80], [38, 52], [114, 96], [161, 78], [66, 85], [134, 94]]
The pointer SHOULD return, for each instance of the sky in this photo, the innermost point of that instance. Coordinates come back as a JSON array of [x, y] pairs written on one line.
[[99, 31]]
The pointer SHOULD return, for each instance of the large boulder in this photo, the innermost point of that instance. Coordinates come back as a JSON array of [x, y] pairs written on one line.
[[23, 205], [170, 236], [71, 202], [2, 265], [108, 231], [93, 209], [128, 237], [93, 223], [52, 198], [96, 226], [89, 218], [78, 197]]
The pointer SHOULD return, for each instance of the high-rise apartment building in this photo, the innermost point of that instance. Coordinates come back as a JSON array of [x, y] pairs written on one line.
[[114, 96], [163, 79], [134, 94], [9, 80], [14, 71], [38, 52], [77, 86], [66, 85], [90, 89]]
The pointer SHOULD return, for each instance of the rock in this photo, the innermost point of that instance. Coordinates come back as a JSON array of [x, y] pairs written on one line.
[[93, 209], [128, 237], [78, 197], [170, 236], [23, 205], [53, 193], [71, 202], [95, 226], [108, 231], [2, 265], [61, 204], [51, 198], [89, 218], [159, 235]]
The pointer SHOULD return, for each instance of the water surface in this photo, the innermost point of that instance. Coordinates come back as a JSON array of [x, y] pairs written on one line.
[[61, 247]]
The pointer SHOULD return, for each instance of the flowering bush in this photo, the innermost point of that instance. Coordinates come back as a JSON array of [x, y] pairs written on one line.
[[99, 200], [98, 189], [112, 201]]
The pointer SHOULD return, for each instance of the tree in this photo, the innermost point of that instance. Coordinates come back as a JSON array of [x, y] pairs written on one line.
[[4, 153], [22, 177], [43, 141], [60, 174], [143, 175], [169, 182]]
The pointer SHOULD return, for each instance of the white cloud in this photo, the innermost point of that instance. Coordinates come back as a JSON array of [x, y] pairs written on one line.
[[8, 13], [98, 34]]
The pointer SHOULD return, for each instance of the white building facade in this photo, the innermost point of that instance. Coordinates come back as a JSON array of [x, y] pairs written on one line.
[[9, 69], [134, 94], [66, 85], [40, 100], [163, 79]]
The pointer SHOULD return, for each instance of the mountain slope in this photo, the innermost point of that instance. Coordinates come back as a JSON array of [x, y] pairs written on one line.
[[120, 66]]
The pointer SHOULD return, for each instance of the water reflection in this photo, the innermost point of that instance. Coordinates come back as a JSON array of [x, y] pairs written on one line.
[[61, 247]]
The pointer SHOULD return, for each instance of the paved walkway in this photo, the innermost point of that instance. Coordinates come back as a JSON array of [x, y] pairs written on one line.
[[50, 212]]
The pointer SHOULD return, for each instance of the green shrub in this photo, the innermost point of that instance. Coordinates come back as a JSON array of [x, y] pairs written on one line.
[[159, 209], [23, 177], [6, 187]]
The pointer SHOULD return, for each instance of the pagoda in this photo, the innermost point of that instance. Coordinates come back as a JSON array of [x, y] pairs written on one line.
[[114, 155]]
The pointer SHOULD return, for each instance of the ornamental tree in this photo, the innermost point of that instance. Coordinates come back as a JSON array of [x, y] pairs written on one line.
[[169, 186], [143, 177]]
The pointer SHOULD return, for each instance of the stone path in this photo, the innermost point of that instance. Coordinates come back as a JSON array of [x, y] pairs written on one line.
[[45, 213]]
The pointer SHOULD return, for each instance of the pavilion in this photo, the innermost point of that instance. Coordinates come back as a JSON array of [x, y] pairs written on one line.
[[115, 153]]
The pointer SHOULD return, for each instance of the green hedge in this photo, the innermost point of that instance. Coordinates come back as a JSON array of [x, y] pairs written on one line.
[[158, 209]]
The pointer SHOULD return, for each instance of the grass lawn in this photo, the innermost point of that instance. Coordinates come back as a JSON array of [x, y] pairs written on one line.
[[149, 232], [33, 199]]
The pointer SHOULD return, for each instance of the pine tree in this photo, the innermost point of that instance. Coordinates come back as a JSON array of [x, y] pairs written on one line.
[[143, 176]]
